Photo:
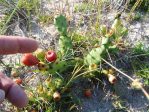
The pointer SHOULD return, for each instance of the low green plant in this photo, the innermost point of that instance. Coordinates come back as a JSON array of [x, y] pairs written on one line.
[[45, 19], [17, 9], [54, 89], [137, 16], [119, 104], [143, 6], [84, 7], [65, 42], [59, 69], [139, 62], [117, 31], [139, 48]]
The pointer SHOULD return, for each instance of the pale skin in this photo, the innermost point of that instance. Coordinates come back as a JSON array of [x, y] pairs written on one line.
[[12, 45]]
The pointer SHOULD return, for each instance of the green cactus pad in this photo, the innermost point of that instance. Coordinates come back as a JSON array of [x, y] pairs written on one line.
[[119, 29], [65, 45], [94, 57], [61, 66], [61, 24]]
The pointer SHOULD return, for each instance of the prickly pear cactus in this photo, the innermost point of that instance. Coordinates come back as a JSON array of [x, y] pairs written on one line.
[[94, 56], [118, 31], [57, 67], [118, 28], [65, 42], [60, 66], [103, 30], [61, 24]]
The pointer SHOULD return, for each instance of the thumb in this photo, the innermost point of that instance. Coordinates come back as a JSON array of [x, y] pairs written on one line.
[[2, 95], [14, 93]]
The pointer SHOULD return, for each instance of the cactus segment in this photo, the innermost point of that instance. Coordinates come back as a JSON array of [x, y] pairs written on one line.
[[94, 57], [65, 44], [118, 28], [61, 66], [103, 30], [61, 24]]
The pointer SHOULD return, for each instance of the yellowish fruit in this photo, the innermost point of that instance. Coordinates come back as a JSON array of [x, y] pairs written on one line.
[[40, 54], [111, 71], [40, 89], [112, 79], [15, 73], [93, 67], [56, 96], [105, 72], [49, 93], [48, 81], [42, 66], [136, 84]]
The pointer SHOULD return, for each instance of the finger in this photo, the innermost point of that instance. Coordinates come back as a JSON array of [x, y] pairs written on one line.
[[14, 93], [16, 44], [2, 95]]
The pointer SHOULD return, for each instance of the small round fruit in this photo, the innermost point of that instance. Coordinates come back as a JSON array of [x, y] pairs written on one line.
[[105, 72], [30, 95], [40, 54], [48, 81], [93, 67], [29, 59], [51, 56], [111, 71], [15, 73], [18, 81], [56, 96], [112, 79], [49, 93], [42, 66], [33, 110], [88, 93], [136, 84], [40, 89]]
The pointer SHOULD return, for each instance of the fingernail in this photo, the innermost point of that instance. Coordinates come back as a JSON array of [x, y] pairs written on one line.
[[2, 95]]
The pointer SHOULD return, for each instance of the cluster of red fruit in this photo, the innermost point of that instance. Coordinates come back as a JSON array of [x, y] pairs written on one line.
[[29, 59], [32, 59]]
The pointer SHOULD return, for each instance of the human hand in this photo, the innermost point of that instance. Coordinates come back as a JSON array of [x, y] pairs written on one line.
[[12, 45]]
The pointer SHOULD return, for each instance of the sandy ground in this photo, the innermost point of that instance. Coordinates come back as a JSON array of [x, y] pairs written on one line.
[[101, 101]]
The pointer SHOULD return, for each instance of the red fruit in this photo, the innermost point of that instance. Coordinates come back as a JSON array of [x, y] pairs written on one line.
[[51, 56], [18, 81], [29, 59], [88, 93]]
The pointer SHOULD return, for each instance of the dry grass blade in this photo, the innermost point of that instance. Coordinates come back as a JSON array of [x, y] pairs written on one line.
[[76, 70], [138, 2]]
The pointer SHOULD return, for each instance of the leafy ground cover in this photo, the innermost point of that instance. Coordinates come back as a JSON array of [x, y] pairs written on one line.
[[85, 62]]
